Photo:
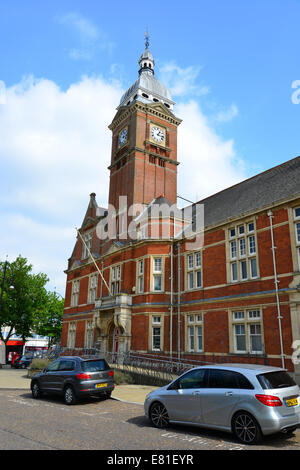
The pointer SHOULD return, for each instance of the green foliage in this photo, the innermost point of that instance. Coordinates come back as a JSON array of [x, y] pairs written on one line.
[[26, 305], [39, 364], [121, 377]]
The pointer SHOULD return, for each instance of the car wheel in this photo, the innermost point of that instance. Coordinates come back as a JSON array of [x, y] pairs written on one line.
[[69, 395], [35, 390], [246, 428], [159, 415], [23, 366]]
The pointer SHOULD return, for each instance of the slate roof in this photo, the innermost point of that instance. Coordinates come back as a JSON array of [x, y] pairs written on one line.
[[265, 189]]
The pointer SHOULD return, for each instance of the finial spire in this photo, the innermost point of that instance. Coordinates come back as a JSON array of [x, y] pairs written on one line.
[[146, 39]]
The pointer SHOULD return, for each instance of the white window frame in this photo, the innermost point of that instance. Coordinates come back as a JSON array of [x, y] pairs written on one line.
[[156, 325], [194, 322], [247, 318], [88, 238], [140, 268], [71, 334], [157, 273], [75, 292], [93, 284], [243, 248], [193, 267], [115, 279], [89, 334]]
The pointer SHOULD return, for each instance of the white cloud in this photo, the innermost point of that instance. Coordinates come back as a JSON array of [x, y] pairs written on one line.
[[182, 81], [89, 37], [208, 163], [55, 148], [228, 114]]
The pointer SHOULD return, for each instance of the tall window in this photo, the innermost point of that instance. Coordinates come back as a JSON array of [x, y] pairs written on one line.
[[247, 331], [75, 293], [87, 237], [156, 333], [71, 335], [115, 279], [243, 252], [194, 330], [140, 276], [93, 288], [297, 232], [194, 270], [157, 274], [89, 334]]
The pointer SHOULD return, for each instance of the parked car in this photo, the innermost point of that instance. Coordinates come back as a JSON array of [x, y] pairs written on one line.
[[22, 362], [249, 400], [74, 377]]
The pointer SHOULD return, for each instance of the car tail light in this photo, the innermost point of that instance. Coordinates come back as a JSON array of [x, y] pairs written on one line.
[[83, 376], [111, 373], [269, 400]]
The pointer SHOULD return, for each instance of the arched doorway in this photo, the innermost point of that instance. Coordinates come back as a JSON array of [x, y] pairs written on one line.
[[113, 339]]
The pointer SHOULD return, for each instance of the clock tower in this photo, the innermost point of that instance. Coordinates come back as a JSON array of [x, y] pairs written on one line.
[[144, 141]]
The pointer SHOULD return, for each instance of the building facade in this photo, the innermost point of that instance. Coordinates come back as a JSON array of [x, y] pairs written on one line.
[[235, 296]]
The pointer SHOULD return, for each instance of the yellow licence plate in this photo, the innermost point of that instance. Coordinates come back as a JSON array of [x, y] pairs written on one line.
[[100, 385], [291, 402]]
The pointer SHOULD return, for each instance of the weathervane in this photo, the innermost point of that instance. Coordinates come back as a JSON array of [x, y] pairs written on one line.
[[147, 39]]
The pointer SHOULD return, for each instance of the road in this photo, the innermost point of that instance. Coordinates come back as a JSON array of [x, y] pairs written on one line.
[[95, 424]]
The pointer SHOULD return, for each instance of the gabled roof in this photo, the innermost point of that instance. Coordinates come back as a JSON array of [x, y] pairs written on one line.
[[265, 189]]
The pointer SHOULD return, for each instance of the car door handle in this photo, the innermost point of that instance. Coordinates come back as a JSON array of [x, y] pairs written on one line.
[[228, 394]]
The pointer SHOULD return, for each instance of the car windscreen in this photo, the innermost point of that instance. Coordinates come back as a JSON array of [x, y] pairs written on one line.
[[278, 379], [94, 366]]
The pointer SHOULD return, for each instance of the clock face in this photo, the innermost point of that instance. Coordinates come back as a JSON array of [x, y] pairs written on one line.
[[158, 134], [123, 136]]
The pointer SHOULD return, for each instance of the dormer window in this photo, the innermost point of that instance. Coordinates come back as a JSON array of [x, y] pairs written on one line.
[[145, 95]]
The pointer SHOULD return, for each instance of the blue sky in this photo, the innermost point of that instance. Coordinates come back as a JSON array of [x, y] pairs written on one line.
[[64, 65]]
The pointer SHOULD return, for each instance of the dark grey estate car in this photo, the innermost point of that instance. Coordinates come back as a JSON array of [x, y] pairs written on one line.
[[74, 377]]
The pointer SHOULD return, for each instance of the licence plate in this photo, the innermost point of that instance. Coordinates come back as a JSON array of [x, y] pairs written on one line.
[[291, 402], [100, 385]]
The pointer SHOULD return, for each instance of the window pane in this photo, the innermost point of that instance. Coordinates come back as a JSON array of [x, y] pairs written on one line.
[[157, 283], [255, 338], [240, 338], [198, 259], [156, 338], [191, 338], [193, 379], [157, 264], [94, 365], [232, 232], [222, 379], [252, 247], [233, 249], [253, 266], [234, 271], [244, 270], [191, 280], [298, 232], [190, 261], [199, 338], [141, 284], [241, 229], [297, 212], [198, 279], [251, 227], [278, 379], [242, 247]]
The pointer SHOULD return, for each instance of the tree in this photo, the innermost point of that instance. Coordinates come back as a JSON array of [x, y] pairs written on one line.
[[49, 321], [26, 305]]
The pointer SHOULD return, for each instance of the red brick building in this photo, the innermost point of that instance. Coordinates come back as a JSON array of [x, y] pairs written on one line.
[[235, 297]]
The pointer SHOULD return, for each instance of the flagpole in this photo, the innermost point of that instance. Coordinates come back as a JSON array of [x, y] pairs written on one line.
[[93, 259]]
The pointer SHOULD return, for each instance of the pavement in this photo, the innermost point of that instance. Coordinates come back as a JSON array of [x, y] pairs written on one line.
[[17, 379]]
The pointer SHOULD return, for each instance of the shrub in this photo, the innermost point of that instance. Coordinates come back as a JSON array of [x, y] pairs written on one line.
[[39, 364], [123, 378]]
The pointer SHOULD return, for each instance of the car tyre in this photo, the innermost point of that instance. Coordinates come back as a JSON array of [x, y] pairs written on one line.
[[245, 428], [69, 395], [159, 416], [35, 390], [23, 366]]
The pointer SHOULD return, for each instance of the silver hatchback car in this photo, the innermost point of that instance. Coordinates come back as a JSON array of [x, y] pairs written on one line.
[[247, 399]]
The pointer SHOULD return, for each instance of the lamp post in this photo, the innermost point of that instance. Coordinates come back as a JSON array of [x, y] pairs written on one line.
[[4, 278]]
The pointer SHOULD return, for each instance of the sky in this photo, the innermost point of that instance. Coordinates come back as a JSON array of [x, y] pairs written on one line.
[[233, 68]]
